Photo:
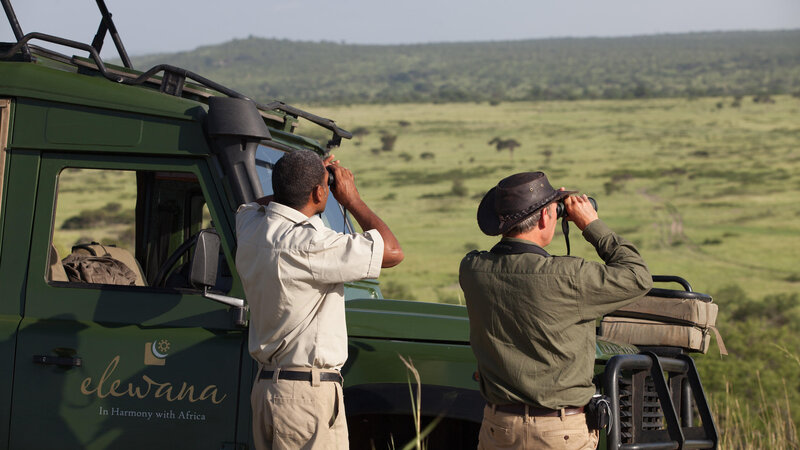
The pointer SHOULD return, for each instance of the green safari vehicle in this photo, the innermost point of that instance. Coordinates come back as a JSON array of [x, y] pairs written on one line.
[[123, 323]]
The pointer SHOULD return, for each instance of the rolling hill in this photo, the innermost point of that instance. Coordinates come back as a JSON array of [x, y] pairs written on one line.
[[677, 65]]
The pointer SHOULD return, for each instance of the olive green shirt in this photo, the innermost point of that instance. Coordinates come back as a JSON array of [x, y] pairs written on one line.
[[532, 317]]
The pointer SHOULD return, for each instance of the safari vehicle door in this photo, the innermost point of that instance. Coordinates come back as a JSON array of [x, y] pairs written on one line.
[[112, 362]]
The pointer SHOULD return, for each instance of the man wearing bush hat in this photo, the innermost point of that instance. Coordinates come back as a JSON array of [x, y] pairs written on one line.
[[532, 315]]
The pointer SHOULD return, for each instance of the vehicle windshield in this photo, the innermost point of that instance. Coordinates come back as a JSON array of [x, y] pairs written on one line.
[[334, 216]]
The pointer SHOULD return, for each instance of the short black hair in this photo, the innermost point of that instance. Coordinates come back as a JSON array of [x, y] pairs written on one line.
[[295, 176]]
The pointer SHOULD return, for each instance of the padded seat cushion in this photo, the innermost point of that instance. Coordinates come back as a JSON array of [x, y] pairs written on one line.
[[680, 319], [652, 333]]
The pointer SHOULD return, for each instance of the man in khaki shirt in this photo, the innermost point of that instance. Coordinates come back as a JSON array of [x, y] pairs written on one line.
[[293, 268]]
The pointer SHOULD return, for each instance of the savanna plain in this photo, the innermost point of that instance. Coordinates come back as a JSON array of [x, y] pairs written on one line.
[[708, 189]]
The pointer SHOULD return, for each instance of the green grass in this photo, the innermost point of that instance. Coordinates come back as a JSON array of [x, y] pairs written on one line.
[[709, 194]]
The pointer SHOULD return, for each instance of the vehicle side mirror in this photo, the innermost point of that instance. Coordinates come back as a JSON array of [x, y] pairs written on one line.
[[203, 272]]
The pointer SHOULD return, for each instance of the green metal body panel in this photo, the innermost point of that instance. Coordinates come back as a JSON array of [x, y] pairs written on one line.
[[16, 242], [69, 127], [8, 344], [417, 321], [113, 400], [376, 361], [36, 81]]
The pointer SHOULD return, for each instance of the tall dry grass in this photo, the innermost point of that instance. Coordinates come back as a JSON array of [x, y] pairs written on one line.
[[418, 442], [763, 425]]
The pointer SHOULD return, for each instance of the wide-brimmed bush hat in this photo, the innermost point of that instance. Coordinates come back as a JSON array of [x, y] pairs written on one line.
[[515, 198]]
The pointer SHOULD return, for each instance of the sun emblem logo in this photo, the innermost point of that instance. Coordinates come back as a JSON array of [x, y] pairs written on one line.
[[156, 352], [163, 346]]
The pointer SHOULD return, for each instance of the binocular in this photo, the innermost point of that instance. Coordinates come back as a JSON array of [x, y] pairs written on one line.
[[332, 178], [561, 208]]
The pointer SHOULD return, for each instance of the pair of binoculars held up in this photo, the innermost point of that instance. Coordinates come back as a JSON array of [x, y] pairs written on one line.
[[561, 208], [332, 177]]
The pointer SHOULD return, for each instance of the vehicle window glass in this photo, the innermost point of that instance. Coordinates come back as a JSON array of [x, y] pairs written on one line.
[[333, 217], [126, 228], [83, 215]]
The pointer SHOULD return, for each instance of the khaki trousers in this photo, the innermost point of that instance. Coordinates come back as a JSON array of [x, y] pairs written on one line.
[[501, 430], [298, 415]]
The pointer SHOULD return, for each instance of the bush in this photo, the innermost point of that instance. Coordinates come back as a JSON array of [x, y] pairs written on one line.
[[459, 190], [776, 310], [763, 365], [763, 98], [388, 141], [110, 214]]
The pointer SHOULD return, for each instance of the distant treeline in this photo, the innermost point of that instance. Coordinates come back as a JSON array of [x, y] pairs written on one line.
[[679, 65]]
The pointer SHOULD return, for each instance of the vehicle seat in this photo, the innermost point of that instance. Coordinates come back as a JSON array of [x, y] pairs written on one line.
[[120, 254], [55, 270]]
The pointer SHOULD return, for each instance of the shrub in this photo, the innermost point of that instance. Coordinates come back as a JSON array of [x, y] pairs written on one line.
[[388, 141], [459, 190], [110, 214]]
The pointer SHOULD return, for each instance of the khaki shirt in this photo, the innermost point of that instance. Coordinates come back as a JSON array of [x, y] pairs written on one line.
[[532, 317], [293, 268]]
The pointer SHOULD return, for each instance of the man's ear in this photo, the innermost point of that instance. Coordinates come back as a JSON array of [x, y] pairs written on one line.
[[318, 194], [543, 217]]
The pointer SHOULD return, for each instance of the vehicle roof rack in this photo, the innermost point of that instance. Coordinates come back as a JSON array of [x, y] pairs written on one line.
[[15, 26], [106, 26], [173, 79]]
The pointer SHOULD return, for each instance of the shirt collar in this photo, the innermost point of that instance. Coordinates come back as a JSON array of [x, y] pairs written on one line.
[[517, 245], [294, 215]]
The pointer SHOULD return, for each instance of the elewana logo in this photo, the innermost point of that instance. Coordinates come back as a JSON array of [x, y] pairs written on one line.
[[156, 352], [147, 387]]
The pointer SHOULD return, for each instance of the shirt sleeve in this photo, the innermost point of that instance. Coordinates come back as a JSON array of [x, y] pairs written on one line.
[[622, 279], [339, 258]]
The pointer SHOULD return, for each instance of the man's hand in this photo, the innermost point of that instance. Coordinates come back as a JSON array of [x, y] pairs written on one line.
[[344, 190], [580, 210]]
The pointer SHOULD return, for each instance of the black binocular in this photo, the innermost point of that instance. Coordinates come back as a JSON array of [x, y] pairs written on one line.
[[332, 177], [561, 208]]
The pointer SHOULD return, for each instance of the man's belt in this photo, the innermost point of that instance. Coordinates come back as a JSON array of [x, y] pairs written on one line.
[[520, 409], [293, 375]]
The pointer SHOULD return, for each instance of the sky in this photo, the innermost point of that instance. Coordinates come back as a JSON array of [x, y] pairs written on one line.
[[163, 26]]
